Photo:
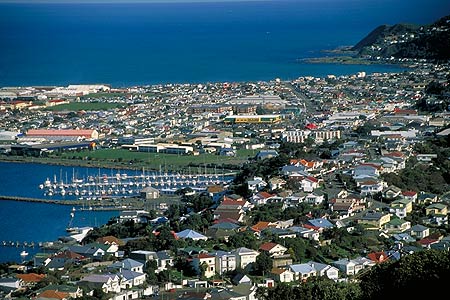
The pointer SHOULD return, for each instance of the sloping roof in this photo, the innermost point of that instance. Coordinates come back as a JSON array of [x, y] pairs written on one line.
[[225, 225], [267, 246], [110, 240], [302, 268], [321, 223], [190, 234], [378, 256], [60, 132], [52, 294], [127, 264], [31, 277]]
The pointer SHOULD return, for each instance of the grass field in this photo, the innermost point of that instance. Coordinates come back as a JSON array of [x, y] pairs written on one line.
[[159, 160], [77, 106]]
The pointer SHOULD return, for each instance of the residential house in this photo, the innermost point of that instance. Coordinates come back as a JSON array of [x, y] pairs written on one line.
[[346, 266], [137, 216], [245, 256], [320, 223], [231, 208], [241, 279], [149, 193], [392, 192], [437, 214], [436, 209], [225, 261], [378, 257], [410, 195], [401, 207], [52, 294], [346, 207], [315, 198], [277, 252], [309, 183], [282, 275], [108, 283], [71, 290], [307, 233], [256, 184], [367, 170], [261, 198], [302, 271], [427, 198], [276, 183], [222, 230], [110, 240], [191, 234], [163, 258], [419, 231], [9, 285], [30, 279], [371, 187], [397, 225], [325, 270], [374, 220], [205, 262], [294, 170], [130, 279], [128, 264], [263, 154], [216, 192]]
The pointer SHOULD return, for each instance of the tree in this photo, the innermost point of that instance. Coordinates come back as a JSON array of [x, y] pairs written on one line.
[[242, 239], [263, 264]]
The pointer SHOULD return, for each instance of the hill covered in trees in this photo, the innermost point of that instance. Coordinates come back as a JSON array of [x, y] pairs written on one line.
[[408, 41]]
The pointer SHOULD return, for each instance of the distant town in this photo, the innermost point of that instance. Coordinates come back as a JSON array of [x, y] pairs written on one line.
[[331, 176]]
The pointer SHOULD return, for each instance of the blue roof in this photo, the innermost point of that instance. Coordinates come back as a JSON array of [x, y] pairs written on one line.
[[320, 222], [302, 268]]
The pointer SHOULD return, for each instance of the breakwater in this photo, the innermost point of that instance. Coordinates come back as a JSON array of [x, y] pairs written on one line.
[[106, 204]]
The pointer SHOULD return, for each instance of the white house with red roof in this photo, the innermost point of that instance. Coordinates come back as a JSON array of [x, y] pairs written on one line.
[[309, 184], [261, 198], [273, 249], [410, 195]]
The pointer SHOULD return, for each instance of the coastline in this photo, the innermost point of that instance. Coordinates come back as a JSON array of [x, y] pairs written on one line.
[[350, 60]]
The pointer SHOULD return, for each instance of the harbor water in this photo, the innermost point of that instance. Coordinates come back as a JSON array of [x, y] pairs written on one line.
[[31, 222]]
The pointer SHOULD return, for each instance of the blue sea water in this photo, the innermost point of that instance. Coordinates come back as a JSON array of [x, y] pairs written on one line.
[[127, 44], [39, 222]]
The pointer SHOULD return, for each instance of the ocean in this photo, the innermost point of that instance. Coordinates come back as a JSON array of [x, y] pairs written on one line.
[[126, 44]]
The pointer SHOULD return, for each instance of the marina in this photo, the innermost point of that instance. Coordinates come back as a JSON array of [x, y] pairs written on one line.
[[123, 185]]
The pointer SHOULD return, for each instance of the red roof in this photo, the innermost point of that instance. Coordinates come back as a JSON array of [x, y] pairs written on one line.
[[204, 255], [378, 257], [265, 195], [312, 179], [409, 193], [405, 111], [52, 294], [395, 154], [31, 277], [371, 165], [60, 132], [267, 246], [311, 126]]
